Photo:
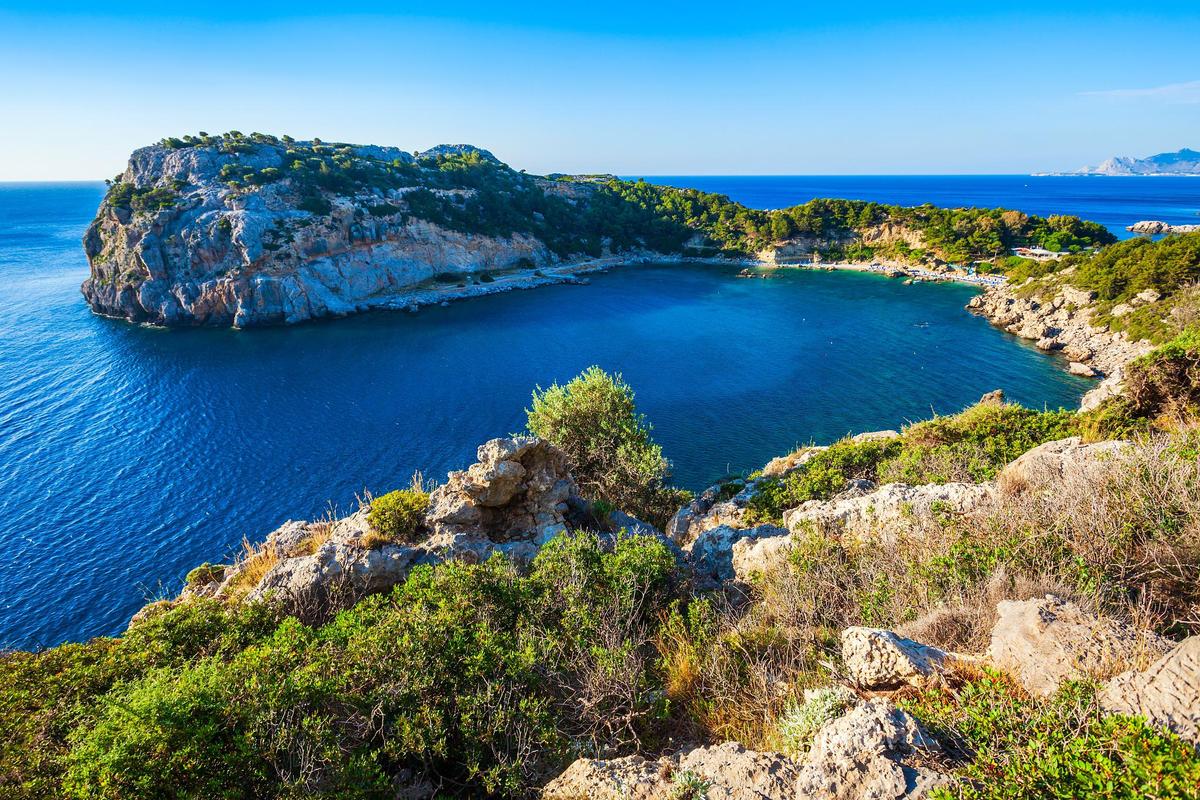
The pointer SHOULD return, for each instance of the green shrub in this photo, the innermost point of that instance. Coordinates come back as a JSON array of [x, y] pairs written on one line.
[[1021, 748], [397, 516], [798, 725], [1166, 381], [608, 443], [205, 574]]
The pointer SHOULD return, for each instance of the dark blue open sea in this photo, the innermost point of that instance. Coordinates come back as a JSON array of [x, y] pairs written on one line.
[[129, 455]]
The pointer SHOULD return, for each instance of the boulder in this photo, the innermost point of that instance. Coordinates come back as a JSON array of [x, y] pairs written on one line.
[[707, 512], [778, 467], [630, 778], [870, 752], [1043, 642], [711, 553], [879, 659], [736, 773], [1167, 694], [875, 436], [518, 489], [1047, 465], [730, 771], [1080, 369]]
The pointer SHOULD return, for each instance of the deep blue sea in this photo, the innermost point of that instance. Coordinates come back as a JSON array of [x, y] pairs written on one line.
[[129, 455]]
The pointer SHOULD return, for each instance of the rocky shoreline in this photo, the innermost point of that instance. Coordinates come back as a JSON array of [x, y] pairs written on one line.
[[1063, 324]]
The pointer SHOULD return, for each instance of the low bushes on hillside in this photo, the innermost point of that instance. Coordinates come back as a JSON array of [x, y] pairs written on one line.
[[1015, 747], [475, 677], [970, 446]]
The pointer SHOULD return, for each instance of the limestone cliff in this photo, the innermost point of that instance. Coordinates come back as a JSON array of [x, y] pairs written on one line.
[[257, 231]]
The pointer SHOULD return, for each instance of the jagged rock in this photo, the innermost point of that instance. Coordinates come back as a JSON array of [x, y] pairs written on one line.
[[707, 512], [1167, 694], [517, 490], [887, 512], [879, 659], [732, 772], [1048, 343], [994, 397], [1044, 642], [1154, 227], [512, 501], [1063, 321], [711, 553], [866, 754], [1047, 465], [758, 556], [875, 436]]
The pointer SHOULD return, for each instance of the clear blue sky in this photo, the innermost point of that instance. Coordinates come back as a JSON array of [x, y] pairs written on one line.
[[626, 87]]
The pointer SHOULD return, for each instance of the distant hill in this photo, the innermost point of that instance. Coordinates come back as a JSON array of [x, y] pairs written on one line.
[[1181, 162]]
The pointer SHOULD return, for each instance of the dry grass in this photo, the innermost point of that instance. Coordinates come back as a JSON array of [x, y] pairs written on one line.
[[1121, 540], [250, 569]]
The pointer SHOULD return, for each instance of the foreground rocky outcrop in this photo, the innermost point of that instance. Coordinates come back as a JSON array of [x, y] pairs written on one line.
[[514, 499], [870, 752], [1044, 642]]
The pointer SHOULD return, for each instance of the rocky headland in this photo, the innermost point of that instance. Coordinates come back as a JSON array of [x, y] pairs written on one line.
[[249, 230]]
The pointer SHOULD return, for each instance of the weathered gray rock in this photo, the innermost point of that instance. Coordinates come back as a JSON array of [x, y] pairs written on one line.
[[1082, 370], [1167, 694], [708, 511], [880, 659], [1046, 641], [870, 752], [1048, 465], [731, 771], [629, 778], [740, 774], [887, 512], [712, 552], [512, 501], [517, 490], [782, 465]]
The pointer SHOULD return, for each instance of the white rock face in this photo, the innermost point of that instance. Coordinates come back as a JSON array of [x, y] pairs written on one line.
[[885, 513], [1048, 465], [223, 257], [880, 659], [1044, 642], [1167, 694], [866, 753]]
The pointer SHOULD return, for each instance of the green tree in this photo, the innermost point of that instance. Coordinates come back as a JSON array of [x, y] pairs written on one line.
[[593, 419]]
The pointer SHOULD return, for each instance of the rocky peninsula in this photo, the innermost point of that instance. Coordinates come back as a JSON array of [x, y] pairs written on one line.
[[250, 230]]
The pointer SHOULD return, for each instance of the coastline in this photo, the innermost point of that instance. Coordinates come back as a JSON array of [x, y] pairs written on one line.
[[572, 272]]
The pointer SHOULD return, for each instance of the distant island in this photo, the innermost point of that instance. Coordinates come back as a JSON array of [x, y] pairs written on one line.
[[1180, 162], [249, 230]]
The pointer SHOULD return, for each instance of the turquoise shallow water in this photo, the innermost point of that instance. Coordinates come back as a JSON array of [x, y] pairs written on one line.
[[129, 455]]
